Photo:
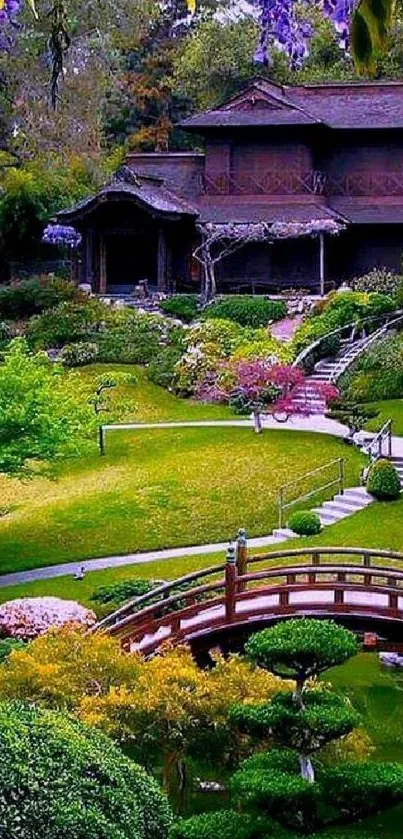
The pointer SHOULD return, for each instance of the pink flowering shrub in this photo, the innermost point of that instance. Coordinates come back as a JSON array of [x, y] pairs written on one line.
[[261, 385], [28, 617]]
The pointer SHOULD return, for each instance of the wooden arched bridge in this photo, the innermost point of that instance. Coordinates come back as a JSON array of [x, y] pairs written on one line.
[[223, 604]]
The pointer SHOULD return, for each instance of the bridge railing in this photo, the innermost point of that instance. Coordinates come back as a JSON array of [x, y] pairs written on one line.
[[218, 589]]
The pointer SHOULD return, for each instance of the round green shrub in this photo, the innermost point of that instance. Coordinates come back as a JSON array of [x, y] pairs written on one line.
[[24, 298], [383, 481], [305, 523], [62, 780], [120, 592], [223, 824], [182, 306], [247, 311]]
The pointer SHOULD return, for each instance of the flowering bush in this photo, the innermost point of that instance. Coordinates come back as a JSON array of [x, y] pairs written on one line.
[[251, 386], [265, 347], [27, 617], [77, 355], [380, 280]]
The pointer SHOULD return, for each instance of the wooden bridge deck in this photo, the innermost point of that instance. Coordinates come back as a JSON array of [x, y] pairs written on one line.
[[229, 598]]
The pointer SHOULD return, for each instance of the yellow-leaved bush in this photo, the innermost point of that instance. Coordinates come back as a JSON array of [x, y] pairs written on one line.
[[165, 707]]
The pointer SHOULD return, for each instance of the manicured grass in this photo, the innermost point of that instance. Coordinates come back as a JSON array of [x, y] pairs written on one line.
[[389, 409], [378, 526], [157, 489], [376, 692]]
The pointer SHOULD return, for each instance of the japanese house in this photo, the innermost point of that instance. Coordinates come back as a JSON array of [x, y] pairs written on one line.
[[294, 155]]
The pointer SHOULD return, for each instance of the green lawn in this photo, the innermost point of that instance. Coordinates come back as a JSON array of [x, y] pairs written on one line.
[[376, 692], [378, 526], [389, 409], [157, 488]]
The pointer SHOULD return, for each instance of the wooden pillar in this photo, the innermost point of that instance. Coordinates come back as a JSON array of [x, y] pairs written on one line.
[[322, 263], [241, 557], [88, 260], [162, 261], [102, 265], [230, 584]]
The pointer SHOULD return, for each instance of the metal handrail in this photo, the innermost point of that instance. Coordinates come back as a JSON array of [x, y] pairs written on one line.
[[305, 353], [339, 481], [345, 363], [375, 448]]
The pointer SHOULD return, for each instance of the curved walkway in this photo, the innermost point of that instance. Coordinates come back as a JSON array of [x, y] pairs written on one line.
[[313, 424]]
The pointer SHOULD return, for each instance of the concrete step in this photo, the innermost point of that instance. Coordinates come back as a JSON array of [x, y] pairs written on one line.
[[356, 502], [329, 516], [339, 507], [360, 491]]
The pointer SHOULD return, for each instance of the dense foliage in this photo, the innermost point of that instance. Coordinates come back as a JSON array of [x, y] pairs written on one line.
[[183, 306], [340, 309], [64, 781], [24, 298], [378, 373], [305, 523], [44, 412], [247, 311], [383, 481]]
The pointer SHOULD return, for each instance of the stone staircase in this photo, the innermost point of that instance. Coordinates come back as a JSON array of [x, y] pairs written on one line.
[[308, 397], [341, 506]]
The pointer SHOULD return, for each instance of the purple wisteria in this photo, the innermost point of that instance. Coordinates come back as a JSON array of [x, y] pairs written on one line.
[[61, 234], [284, 28], [9, 11]]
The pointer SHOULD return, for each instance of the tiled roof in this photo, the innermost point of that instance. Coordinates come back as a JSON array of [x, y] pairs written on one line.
[[149, 192], [220, 212], [359, 211], [347, 105]]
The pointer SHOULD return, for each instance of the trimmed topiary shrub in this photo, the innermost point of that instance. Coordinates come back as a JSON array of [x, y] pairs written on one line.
[[182, 306], [383, 481], [357, 789], [247, 311], [305, 523], [62, 780], [27, 617]]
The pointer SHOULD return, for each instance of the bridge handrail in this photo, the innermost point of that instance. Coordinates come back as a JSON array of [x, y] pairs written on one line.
[[307, 351], [126, 615], [138, 620]]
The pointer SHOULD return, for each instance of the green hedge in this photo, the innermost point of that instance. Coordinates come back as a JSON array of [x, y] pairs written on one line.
[[62, 780], [24, 298], [383, 481], [223, 824], [182, 306], [247, 311]]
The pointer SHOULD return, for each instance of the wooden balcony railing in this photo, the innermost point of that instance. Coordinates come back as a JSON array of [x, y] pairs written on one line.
[[290, 182]]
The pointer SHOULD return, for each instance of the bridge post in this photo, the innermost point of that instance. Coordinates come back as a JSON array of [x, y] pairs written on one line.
[[230, 584], [241, 557]]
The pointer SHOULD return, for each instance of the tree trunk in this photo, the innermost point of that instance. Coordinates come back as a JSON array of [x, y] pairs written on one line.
[[257, 422], [307, 771], [297, 695], [174, 778]]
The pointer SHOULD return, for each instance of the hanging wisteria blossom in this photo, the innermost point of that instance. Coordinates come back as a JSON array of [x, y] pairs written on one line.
[[61, 234], [283, 27], [9, 10]]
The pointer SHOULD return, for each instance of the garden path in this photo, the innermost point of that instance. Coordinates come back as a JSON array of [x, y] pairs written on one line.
[[284, 329], [312, 424]]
